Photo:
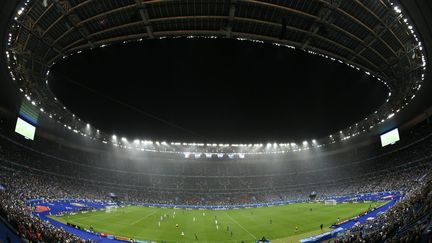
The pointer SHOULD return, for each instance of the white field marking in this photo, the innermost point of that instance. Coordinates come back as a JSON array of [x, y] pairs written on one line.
[[146, 216], [83, 216], [101, 214], [145, 236], [235, 221]]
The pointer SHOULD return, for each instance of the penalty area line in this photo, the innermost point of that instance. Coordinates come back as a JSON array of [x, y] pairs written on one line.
[[141, 219], [235, 221]]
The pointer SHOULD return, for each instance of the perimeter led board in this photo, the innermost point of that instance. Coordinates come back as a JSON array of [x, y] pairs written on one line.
[[390, 137], [24, 128]]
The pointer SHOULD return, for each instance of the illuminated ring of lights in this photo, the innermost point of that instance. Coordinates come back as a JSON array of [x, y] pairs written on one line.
[[34, 23]]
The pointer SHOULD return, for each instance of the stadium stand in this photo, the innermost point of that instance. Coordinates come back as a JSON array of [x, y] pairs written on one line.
[[389, 41], [30, 172], [404, 222]]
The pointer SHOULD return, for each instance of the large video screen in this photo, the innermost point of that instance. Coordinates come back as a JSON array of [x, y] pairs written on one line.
[[24, 128], [390, 137]]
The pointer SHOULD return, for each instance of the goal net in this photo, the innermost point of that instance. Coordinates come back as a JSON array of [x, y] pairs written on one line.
[[330, 202], [109, 209]]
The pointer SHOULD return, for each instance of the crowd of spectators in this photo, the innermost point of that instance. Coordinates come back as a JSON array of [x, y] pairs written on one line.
[[406, 221], [30, 172], [17, 189]]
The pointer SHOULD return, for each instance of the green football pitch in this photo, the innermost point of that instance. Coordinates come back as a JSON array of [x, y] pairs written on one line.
[[277, 223]]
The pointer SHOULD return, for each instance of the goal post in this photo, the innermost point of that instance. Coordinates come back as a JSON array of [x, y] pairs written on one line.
[[110, 208], [330, 202]]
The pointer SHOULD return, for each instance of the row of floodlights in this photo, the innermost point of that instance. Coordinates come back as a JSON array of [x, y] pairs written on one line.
[[138, 142], [397, 9], [269, 145]]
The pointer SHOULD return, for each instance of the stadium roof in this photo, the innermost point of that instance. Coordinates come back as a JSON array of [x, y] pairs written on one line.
[[377, 37]]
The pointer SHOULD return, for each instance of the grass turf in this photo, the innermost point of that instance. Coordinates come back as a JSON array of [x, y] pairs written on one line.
[[275, 223]]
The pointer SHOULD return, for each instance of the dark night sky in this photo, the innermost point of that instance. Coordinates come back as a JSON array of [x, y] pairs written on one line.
[[213, 90]]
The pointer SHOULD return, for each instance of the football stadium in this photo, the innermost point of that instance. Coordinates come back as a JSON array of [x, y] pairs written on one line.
[[232, 121]]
